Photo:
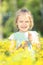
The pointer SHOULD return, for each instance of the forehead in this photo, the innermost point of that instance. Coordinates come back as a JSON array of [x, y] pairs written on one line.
[[23, 16]]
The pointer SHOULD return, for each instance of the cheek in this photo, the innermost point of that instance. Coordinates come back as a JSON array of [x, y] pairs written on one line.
[[19, 25], [28, 24]]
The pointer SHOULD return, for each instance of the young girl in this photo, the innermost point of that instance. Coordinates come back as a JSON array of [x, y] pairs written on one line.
[[24, 22]]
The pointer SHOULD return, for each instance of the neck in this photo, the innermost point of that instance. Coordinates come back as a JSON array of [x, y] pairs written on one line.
[[22, 31]]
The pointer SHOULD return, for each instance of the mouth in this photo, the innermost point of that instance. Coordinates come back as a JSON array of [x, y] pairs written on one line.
[[24, 27]]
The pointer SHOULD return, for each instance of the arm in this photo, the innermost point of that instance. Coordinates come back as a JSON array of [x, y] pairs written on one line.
[[12, 43], [34, 39], [11, 37]]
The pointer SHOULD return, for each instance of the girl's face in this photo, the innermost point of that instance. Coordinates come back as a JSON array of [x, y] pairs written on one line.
[[23, 22]]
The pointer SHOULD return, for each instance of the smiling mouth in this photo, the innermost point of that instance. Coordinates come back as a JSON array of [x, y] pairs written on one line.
[[23, 27]]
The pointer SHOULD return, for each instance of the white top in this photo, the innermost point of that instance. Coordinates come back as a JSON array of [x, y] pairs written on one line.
[[23, 36]]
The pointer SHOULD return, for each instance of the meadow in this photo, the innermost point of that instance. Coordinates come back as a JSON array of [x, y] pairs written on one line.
[[11, 56]]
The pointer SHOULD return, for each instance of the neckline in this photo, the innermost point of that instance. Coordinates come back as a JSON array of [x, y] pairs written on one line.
[[23, 32]]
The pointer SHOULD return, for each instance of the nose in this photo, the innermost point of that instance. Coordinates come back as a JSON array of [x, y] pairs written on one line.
[[24, 22]]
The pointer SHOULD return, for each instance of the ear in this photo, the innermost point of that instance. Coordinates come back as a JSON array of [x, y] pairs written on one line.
[[16, 23]]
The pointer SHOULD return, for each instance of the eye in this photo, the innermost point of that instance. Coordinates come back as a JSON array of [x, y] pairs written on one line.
[[20, 21]]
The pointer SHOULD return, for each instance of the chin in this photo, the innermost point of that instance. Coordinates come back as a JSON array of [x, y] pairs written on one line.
[[24, 30]]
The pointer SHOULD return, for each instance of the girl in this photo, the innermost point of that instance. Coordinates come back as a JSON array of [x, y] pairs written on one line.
[[24, 22]]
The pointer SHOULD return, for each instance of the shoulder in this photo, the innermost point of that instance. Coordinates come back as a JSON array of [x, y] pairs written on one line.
[[35, 36], [12, 36], [33, 32]]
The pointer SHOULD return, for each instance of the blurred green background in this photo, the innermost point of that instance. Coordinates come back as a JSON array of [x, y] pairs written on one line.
[[8, 9]]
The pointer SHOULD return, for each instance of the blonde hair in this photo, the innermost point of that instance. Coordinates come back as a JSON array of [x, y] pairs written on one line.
[[25, 10]]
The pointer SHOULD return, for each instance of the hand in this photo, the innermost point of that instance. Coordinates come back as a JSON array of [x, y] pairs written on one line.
[[30, 37], [23, 45]]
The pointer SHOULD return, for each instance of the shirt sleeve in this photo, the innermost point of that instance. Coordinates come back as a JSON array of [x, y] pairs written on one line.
[[11, 37], [35, 37]]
